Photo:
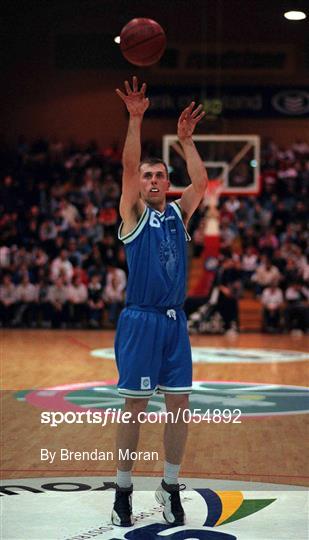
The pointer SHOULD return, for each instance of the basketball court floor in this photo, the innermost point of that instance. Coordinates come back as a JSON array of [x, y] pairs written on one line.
[[246, 461]]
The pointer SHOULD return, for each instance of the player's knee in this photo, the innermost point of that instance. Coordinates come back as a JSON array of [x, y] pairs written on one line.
[[174, 402], [135, 406]]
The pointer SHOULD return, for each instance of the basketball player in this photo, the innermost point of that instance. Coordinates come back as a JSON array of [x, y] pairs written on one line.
[[152, 344]]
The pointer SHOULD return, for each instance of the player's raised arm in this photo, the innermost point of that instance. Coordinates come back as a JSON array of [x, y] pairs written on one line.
[[193, 194], [136, 104]]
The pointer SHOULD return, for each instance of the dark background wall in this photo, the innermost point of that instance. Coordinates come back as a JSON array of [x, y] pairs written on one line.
[[60, 65]]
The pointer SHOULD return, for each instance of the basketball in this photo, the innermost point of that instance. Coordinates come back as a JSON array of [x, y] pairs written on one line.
[[142, 42]]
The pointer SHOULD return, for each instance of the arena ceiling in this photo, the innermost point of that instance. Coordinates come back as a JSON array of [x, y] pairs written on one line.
[[190, 20]]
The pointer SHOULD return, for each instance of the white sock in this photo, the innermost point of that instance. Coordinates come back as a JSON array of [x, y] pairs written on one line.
[[124, 479], [171, 473]]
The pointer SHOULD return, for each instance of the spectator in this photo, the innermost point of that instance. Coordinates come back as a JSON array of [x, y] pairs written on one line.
[[83, 247], [290, 274], [296, 312], [229, 289], [21, 257], [94, 263], [39, 260], [77, 296], [268, 243], [227, 233], [272, 301], [60, 221], [95, 301], [94, 230], [232, 204], [249, 264], [61, 265], [27, 302], [116, 282], [266, 274], [57, 245], [43, 307], [5, 257], [81, 274], [198, 239], [61, 197], [280, 217], [57, 303], [8, 299], [109, 249], [47, 233], [74, 255], [68, 212]]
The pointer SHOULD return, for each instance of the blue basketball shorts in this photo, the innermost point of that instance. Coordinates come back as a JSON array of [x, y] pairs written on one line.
[[153, 352]]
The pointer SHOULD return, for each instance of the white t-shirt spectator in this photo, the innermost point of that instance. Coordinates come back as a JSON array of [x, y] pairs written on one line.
[[8, 294], [265, 276], [70, 213], [305, 273], [5, 257], [116, 282], [61, 267], [249, 262], [27, 293], [57, 294], [232, 204], [272, 298], [77, 294], [295, 294]]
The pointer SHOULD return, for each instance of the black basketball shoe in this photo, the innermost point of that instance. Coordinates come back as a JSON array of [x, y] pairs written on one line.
[[168, 496], [122, 510]]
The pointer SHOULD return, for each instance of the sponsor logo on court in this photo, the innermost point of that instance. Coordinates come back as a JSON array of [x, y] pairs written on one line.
[[217, 355], [253, 400], [215, 509]]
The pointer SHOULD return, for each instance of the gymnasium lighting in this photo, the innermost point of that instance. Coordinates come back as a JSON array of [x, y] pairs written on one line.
[[117, 39], [295, 15]]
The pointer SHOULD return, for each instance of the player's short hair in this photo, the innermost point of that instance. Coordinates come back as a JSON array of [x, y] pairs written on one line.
[[154, 161]]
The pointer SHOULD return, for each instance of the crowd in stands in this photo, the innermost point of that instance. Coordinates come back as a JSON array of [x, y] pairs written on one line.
[[61, 263]]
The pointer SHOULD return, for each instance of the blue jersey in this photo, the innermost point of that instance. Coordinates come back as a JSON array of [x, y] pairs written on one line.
[[157, 258]]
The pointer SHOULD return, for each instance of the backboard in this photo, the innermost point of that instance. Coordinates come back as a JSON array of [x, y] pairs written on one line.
[[233, 158]]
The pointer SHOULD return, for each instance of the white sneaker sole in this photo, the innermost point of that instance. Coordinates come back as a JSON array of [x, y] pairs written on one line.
[[115, 519], [160, 499]]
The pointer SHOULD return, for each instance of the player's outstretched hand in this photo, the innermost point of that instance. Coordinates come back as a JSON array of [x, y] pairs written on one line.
[[188, 120], [134, 99]]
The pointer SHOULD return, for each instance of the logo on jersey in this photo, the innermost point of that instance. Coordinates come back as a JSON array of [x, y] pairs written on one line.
[[145, 383], [171, 313], [168, 257]]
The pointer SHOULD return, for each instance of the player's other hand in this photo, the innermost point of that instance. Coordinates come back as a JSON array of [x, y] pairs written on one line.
[[134, 99], [188, 120]]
